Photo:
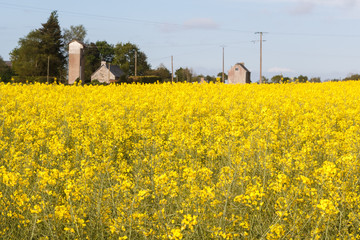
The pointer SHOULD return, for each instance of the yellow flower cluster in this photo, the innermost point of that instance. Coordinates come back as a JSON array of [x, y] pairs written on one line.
[[180, 161]]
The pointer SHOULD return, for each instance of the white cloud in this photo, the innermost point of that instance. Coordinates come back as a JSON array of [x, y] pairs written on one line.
[[200, 23], [280, 70]]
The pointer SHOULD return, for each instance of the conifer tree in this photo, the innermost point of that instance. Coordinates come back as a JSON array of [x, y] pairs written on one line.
[[40, 47], [51, 45]]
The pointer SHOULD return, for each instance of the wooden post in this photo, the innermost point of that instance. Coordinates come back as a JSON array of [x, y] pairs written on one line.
[[48, 63]]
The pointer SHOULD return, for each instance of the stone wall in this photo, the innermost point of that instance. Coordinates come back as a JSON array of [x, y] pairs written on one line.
[[102, 75]]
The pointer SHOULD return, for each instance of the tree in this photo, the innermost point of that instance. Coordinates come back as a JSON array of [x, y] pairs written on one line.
[[125, 58], [209, 78], [220, 75], [39, 48], [276, 79], [280, 79], [5, 71], [51, 45], [285, 80], [26, 58], [352, 77], [74, 32], [92, 60], [106, 50], [302, 79], [315, 80], [184, 75], [161, 72]]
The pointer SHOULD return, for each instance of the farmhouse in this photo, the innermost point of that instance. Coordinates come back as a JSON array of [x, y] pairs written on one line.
[[239, 74], [107, 73]]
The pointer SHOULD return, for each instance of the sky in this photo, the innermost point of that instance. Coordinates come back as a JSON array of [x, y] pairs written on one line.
[[316, 38]]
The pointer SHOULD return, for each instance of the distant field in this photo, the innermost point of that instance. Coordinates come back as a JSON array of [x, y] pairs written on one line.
[[180, 161]]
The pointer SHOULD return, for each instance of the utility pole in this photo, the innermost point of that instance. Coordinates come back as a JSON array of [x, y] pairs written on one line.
[[261, 41], [135, 63], [172, 69], [47, 77]]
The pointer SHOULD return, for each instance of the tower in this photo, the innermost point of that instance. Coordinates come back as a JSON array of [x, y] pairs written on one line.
[[76, 61]]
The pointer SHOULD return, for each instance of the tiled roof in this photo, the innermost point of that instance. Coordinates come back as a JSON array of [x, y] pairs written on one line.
[[114, 69]]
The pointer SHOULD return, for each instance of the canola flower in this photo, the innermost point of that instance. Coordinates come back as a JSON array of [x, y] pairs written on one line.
[[180, 161]]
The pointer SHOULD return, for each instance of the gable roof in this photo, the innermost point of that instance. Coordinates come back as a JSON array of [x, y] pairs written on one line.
[[114, 69], [83, 44], [243, 66]]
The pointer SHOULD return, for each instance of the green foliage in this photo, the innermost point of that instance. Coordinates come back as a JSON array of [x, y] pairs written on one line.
[[51, 44], [143, 79], [125, 58], [276, 78], [352, 77], [209, 78], [74, 33], [161, 72], [280, 79], [302, 79], [220, 75], [34, 79], [5, 71], [27, 57], [184, 75], [285, 80], [315, 80], [96, 82], [106, 50], [30, 58], [92, 60]]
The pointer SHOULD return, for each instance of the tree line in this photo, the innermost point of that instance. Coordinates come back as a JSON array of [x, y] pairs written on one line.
[[283, 79], [43, 52], [303, 79]]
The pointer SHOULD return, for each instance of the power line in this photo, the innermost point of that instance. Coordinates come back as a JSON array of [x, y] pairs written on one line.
[[142, 21], [109, 18]]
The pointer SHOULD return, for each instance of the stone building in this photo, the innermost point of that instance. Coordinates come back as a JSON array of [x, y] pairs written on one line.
[[76, 61], [107, 73], [239, 74]]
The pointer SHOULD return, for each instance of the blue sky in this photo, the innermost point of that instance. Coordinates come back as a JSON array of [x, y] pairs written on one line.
[[317, 38]]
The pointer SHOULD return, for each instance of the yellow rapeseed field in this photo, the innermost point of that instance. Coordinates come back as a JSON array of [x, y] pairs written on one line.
[[180, 161]]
